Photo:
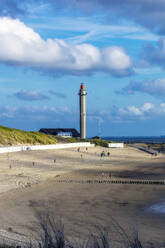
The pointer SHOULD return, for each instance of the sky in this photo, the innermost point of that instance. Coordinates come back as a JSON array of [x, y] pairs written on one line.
[[117, 48]]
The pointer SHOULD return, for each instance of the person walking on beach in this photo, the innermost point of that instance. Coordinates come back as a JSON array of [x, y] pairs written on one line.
[[108, 154], [102, 154]]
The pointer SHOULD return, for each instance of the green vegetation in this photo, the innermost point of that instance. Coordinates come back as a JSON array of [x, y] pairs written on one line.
[[100, 142], [72, 140], [97, 142], [10, 136]]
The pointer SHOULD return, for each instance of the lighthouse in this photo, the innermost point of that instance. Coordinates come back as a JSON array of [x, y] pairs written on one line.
[[82, 94]]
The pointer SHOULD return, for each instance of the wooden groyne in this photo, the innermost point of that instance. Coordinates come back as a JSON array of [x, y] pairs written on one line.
[[144, 149], [118, 181]]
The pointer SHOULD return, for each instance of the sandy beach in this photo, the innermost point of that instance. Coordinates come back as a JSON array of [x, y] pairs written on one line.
[[28, 183]]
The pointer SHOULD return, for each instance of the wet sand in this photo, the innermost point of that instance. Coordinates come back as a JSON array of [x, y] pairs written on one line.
[[28, 184]]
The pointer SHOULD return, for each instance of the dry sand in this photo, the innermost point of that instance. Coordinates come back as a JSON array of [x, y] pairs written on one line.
[[28, 184]]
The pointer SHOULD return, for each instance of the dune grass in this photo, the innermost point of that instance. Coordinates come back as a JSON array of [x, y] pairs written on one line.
[[11, 136], [100, 142]]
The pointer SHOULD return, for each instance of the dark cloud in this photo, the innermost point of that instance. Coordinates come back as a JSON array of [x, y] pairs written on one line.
[[154, 88], [25, 95], [155, 55], [14, 8], [148, 13], [57, 94], [10, 8]]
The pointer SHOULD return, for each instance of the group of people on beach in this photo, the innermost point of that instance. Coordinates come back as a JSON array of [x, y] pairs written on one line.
[[78, 149], [102, 154]]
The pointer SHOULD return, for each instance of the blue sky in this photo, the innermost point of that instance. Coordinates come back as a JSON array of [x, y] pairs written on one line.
[[117, 48]]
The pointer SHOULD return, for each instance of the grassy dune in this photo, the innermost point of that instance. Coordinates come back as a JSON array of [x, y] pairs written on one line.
[[11, 136]]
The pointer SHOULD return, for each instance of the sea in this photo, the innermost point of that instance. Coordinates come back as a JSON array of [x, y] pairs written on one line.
[[137, 139]]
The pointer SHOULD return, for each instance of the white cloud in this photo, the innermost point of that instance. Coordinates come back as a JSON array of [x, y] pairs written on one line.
[[33, 117], [130, 113], [147, 110], [147, 107], [93, 29], [134, 111], [16, 28], [35, 112], [52, 116], [7, 111], [115, 58], [20, 45]]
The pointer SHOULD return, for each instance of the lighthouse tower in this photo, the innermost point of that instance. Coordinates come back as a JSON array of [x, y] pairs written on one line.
[[82, 94]]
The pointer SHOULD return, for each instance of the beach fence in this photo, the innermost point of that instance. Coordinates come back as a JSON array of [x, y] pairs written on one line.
[[44, 147], [116, 145]]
